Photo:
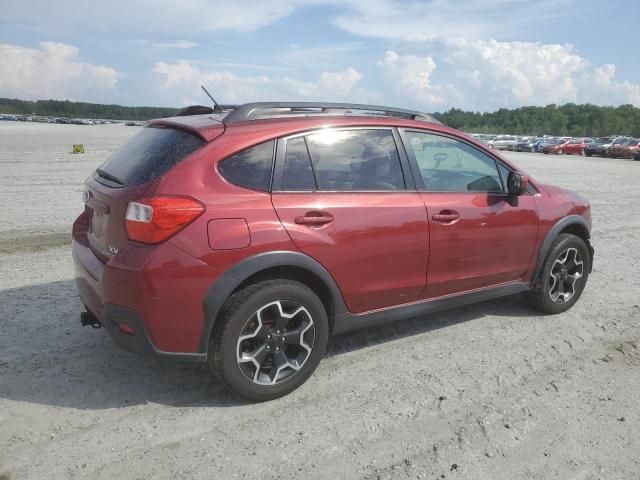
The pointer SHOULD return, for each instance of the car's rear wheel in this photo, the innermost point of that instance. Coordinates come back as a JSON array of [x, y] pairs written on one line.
[[563, 277], [271, 337]]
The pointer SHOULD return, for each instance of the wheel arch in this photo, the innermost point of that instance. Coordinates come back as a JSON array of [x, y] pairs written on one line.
[[572, 224], [271, 265]]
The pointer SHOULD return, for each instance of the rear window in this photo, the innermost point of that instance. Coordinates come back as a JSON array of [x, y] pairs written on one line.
[[148, 156]]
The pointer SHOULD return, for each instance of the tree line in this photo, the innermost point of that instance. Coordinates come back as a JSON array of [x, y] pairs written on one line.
[[570, 119], [65, 108]]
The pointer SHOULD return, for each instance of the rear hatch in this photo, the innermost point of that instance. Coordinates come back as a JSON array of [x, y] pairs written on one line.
[[126, 176]]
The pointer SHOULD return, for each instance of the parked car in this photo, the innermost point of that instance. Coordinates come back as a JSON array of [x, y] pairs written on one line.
[[542, 142], [549, 145], [525, 144], [484, 138], [503, 142], [245, 238], [616, 142], [623, 149], [573, 146], [598, 147]]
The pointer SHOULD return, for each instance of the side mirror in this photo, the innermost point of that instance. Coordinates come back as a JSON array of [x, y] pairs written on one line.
[[517, 184]]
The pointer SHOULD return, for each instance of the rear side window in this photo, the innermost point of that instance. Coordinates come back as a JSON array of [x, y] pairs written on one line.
[[355, 160], [250, 168], [148, 156]]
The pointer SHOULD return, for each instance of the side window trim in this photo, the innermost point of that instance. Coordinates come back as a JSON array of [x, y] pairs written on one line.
[[415, 169], [281, 148], [313, 167]]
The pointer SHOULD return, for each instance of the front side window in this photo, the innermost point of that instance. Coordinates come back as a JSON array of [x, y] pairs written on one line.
[[250, 168], [449, 165], [355, 160]]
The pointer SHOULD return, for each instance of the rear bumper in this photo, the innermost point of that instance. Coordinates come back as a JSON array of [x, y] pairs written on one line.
[[137, 340], [144, 288]]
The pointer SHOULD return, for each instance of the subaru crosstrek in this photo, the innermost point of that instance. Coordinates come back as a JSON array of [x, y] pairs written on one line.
[[246, 237]]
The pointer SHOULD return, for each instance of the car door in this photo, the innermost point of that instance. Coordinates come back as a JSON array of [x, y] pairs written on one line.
[[347, 199], [479, 236]]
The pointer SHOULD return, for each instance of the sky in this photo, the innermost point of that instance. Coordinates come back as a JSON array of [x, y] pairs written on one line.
[[428, 55]]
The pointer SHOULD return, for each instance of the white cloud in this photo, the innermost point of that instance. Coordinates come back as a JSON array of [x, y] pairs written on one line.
[[390, 19], [340, 83], [52, 71], [423, 20], [176, 44], [155, 16], [507, 74], [322, 56], [410, 75], [517, 73], [488, 74], [184, 77], [617, 92]]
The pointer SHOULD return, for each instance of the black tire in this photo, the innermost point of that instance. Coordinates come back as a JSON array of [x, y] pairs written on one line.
[[541, 295], [236, 314]]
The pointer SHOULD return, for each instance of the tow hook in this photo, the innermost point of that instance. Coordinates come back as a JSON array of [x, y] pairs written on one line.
[[87, 318]]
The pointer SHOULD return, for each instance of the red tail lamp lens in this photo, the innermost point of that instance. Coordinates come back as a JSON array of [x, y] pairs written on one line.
[[155, 219]]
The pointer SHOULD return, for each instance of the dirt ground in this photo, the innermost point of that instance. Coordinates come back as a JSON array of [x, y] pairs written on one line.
[[489, 391]]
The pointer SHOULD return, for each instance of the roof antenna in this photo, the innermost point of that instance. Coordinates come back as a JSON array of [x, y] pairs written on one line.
[[216, 107]]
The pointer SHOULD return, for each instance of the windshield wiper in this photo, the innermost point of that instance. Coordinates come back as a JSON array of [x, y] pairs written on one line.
[[108, 176]]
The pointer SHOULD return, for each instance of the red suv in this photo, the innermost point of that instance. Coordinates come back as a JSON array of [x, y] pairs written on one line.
[[246, 237]]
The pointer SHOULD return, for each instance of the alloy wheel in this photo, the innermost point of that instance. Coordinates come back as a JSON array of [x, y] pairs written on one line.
[[565, 276], [275, 342]]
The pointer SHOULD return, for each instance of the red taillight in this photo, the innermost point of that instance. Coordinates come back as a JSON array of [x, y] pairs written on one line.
[[154, 219]]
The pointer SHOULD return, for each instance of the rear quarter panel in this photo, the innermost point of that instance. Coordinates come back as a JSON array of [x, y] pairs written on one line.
[[198, 177]]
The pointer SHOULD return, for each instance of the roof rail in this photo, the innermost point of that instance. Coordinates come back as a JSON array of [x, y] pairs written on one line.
[[262, 110]]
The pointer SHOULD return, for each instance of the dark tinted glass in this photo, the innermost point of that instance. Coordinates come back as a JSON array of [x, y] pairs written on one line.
[[297, 174], [449, 165], [250, 168], [150, 154], [356, 160], [504, 173]]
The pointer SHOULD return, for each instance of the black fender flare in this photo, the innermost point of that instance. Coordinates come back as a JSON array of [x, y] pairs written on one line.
[[220, 291], [553, 234]]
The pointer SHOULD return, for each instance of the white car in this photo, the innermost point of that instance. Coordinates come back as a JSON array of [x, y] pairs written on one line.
[[504, 142]]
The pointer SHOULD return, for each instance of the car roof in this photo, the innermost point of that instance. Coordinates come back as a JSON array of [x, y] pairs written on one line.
[[210, 126], [207, 124]]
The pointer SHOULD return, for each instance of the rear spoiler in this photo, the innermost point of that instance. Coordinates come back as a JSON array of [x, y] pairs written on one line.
[[207, 127]]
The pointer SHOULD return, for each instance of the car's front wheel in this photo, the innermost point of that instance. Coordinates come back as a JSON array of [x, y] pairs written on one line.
[[270, 339], [564, 275]]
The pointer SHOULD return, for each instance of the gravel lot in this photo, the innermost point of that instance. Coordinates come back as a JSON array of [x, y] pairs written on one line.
[[488, 391]]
